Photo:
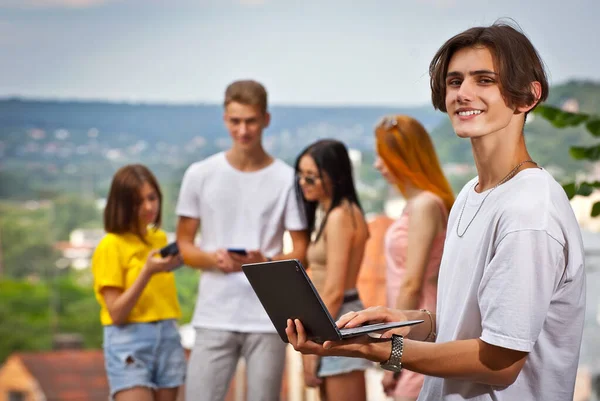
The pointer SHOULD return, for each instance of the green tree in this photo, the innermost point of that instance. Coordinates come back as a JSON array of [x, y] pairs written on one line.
[[27, 246], [24, 317], [77, 310], [186, 280], [71, 212], [563, 120], [32, 312]]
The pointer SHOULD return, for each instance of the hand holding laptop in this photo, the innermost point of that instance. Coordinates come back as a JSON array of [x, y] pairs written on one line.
[[286, 292], [368, 347], [377, 314]]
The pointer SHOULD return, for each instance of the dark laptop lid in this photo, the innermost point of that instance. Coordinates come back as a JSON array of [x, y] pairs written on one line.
[[285, 291]]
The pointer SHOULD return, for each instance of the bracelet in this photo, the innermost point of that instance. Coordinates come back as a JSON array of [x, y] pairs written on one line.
[[432, 334]]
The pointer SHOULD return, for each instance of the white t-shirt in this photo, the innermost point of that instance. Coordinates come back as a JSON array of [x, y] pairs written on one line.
[[236, 209], [516, 279]]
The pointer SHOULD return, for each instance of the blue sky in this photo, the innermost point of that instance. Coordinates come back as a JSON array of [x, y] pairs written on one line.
[[305, 52]]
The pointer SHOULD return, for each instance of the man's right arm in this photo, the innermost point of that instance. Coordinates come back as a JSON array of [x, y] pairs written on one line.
[[471, 359], [187, 227]]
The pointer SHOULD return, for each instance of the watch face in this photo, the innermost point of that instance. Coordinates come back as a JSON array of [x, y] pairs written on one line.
[[393, 368]]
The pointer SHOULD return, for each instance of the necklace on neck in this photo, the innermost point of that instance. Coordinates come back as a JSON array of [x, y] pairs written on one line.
[[502, 181]]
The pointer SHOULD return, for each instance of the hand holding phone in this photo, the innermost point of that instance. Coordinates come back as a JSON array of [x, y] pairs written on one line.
[[232, 259], [238, 251], [170, 249], [168, 263]]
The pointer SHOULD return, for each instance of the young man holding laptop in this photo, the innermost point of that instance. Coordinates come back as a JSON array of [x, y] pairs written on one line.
[[511, 291]]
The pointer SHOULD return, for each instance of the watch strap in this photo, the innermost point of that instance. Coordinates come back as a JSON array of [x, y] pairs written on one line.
[[394, 363]]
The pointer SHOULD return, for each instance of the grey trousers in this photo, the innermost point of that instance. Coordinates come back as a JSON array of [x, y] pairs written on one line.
[[215, 356]]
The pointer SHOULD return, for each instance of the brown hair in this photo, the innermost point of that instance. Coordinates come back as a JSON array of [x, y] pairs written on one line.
[[407, 151], [121, 211], [247, 92], [517, 62]]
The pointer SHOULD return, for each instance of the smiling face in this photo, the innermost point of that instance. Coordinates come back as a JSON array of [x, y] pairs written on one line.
[[474, 100], [310, 180], [245, 124]]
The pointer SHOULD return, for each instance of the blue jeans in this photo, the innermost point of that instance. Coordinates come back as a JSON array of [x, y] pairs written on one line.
[[339, 365], [144, 355]]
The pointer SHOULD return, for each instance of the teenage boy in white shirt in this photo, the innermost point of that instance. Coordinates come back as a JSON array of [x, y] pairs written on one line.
[[242, 198], [511, 290]]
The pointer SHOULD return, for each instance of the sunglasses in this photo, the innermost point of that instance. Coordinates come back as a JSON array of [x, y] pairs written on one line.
[[387, 122], [308, 179]]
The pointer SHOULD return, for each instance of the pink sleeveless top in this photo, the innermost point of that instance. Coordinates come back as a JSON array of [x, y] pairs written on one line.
[[396, 244]]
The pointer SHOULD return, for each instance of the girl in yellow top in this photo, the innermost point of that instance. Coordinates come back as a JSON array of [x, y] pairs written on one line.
[[136, 290]]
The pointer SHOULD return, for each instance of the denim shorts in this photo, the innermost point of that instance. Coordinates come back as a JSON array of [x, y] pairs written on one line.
[[337, 365], [144, 355]]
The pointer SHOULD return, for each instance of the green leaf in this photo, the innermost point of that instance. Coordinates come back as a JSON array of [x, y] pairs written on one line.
[[547, 112], [573, 119], [581, 189], [593, 126], [585, 153], [570, 189], [593, 184], [560, 118], [595, 209], [585, 189]]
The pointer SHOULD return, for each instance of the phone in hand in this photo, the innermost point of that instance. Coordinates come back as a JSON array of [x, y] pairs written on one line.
[[238, 251], [170, 249]]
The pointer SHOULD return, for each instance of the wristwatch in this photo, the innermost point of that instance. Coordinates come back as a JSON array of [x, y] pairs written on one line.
[[395, 362]]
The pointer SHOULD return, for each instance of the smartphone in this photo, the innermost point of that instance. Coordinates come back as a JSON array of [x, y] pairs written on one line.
[[170, 249], [238, 251]]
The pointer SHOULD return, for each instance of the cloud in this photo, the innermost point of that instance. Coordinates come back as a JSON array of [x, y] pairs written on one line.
[[251, 3], [439, 3], [45, 4], [7, 34], [82, 4]]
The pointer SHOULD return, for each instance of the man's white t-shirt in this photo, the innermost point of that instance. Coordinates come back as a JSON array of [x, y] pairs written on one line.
[[516, 279], [249, 210]]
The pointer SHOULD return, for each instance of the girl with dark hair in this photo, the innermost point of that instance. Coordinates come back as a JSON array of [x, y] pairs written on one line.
[[338, 235], [136, 291]]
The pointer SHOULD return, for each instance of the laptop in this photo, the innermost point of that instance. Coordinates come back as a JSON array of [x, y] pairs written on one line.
[[286, 292]]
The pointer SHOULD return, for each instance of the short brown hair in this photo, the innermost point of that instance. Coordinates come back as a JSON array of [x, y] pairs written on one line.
[[517, 62], [121, 211], [248, 92]]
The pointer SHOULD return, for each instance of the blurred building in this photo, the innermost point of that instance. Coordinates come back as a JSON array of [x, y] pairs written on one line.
[[77, 252], [54, 375]]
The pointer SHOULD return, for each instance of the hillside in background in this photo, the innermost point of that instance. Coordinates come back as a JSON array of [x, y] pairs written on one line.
[[50, 146], [161, 127], [53, 146]]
